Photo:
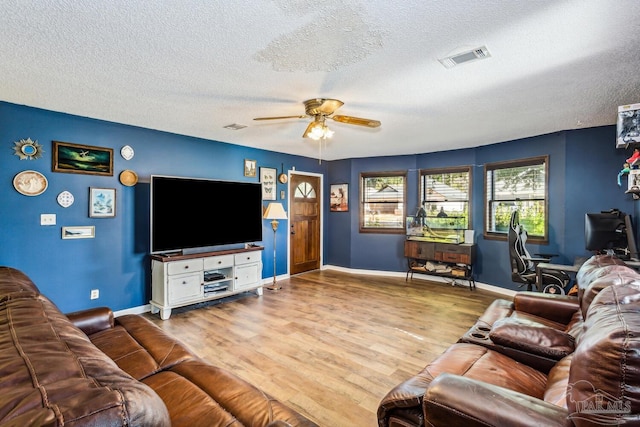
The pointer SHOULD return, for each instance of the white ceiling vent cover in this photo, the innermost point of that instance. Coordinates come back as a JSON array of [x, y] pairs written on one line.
[[461, 58]]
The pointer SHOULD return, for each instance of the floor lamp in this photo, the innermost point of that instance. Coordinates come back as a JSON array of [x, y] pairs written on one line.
[[274, 212]]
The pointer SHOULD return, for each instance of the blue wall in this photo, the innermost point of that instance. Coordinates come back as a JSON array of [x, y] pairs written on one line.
[[116, 261], [583, 168]]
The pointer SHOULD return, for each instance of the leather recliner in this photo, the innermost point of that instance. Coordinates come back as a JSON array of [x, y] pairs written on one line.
[[474, 384]]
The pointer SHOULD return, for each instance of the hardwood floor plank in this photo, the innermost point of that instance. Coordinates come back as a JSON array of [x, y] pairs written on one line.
[[331, 344]]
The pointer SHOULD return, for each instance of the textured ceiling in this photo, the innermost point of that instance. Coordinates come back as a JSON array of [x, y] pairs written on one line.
[[193, 66]]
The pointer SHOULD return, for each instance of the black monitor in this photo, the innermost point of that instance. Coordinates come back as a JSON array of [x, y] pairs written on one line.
[[610, 231]]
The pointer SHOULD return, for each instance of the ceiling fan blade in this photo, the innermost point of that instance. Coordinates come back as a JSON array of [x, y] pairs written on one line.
[[356, 121], [280, 117]]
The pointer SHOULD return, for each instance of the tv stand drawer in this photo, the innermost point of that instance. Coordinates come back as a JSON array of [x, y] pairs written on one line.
[[218, 262], [248, 258], [182, 267]]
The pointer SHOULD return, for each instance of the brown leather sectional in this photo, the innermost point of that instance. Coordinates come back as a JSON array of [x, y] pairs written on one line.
[[89, 368], [538, 360]]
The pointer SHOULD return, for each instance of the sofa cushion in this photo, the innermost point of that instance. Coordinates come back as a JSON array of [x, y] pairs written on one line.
[[602, 278], [589, 270], [140, 347], [51, 374], [15, 284], [606, 362], [199, 394], [532, 337], [558, 381], [502, 309]]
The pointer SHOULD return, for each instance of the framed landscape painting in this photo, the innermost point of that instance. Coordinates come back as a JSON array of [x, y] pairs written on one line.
[[102, 202], [76, 158]]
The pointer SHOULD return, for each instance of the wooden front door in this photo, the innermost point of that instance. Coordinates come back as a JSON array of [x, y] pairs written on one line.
[[304, 222]]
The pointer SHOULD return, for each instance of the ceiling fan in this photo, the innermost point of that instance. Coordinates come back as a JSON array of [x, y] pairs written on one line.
[[321, 109]]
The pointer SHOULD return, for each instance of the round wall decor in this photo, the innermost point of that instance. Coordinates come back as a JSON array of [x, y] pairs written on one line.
[[27, 149], [127, 152], [283, 176], [30, 183], [65, 199], [128, 178]]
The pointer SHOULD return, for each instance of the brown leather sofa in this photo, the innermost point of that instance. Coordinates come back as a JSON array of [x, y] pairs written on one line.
[[541, 360], [89, 368]]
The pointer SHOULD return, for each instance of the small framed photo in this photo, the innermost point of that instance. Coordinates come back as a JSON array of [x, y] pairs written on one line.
[[339, 198], [268, 178], [102, 202], [250, 168], [80, 232], [76, 158]]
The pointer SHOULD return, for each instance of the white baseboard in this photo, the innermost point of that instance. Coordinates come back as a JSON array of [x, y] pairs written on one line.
[[133, 310], [491, 288]]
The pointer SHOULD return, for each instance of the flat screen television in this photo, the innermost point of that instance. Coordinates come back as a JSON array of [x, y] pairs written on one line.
[[195, 215], [610, 231]]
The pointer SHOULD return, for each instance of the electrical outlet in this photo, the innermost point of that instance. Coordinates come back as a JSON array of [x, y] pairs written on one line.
[[47, 219], [95, 293]]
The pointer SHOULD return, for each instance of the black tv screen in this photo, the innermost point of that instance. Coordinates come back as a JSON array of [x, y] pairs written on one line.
[[192, 213]]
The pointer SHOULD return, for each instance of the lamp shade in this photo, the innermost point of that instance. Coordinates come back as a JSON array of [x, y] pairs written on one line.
[[275, 211]]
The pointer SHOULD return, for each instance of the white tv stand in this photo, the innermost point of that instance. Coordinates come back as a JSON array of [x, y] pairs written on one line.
[[179, 280]]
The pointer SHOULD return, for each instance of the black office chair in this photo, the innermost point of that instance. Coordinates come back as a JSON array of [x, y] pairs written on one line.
[[523, 265]]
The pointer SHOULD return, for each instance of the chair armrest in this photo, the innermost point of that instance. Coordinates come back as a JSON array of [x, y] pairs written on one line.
[[549, 256], [452, 400], [558, 308], [92, 320], [536, 260]]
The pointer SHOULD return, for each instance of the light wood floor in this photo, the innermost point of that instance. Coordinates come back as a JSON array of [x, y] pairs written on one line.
[[331, 344]]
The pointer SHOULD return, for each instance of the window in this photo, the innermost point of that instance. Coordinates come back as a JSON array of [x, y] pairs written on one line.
[[445, 196], [382, 202], [517, 185]]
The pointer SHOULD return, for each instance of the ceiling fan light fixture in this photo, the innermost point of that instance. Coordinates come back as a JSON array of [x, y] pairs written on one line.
[[318, 130]]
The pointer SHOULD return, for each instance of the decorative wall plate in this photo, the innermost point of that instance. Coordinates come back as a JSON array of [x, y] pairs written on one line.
[[65, 199], [127, 152], [27, 149], [30, 183], [128, 178]]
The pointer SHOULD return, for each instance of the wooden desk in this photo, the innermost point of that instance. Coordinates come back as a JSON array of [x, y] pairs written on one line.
[[572, 268]]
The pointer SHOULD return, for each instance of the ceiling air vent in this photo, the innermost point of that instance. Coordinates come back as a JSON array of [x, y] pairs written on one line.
[[461, 58], [234, 126]]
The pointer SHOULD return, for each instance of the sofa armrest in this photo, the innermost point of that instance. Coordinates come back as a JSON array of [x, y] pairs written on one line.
[[452, 400], [92, 320], [531, 337], [559, 308]]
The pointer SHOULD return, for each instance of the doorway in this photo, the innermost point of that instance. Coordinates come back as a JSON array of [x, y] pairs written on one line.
[[304, 222]]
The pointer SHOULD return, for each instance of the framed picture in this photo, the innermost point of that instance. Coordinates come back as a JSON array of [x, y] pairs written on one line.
[[339, 198], [102, 202], [76, 158], [249, 168], [268, 178], [82, 232]]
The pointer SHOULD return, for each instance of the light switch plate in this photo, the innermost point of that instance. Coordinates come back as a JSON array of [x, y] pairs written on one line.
[[47, 219]]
